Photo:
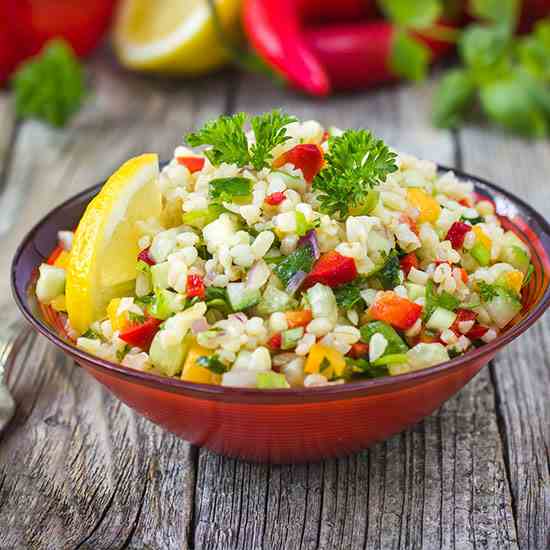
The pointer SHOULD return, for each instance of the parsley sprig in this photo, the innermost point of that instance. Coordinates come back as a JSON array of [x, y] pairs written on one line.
[[356, 162], [228, 143]]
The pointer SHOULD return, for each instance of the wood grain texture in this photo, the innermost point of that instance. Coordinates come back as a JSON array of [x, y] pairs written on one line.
[[521, 371], [441, 484]]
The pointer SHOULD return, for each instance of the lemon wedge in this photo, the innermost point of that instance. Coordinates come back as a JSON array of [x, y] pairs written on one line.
[[173, 36], [103, 262]]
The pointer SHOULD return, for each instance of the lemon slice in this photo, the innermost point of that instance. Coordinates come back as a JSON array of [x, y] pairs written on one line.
[[173, 36], [103, 256]]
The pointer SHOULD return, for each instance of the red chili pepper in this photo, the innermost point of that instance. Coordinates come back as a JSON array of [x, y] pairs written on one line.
[[308, 157], [456, 234], [275, 341], [409, 261], [462, 315], [275, 198], [195, 286], [141, 336], [477, 332], [332, 269], [145, 257], [395, 310], [193, 164], [358, 350]]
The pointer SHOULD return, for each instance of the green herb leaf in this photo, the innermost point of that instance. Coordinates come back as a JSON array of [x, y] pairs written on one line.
[[388, 274], [435, 300], [349, 295], [212, 363], [325, 364], [136, 318], [229, 189], [472, 221], [301, 259], [226, 137], [50, 86], [216, 298], [92, 334], [269, 131], [363, 368], [453, 97], [502, 12], [355, 162], [406, 13], [447, 301], [121, 353], [395, 342], [409, 57]]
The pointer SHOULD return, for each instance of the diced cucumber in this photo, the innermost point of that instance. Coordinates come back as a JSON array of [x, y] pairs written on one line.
[[510, 239], [271, 381], [240, 297], [289, 338], [323, 302], [502, 309], [159, 275], [426, 355], [415, 291], [396, 344], [274, 300], [391, 359], [441, 319], [481, 254], [50, 284], [202, 217], [166, 304], [168, 360], [517, 257]]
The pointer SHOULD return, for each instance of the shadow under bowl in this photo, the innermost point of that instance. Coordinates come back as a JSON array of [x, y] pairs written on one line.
[[293, 425]]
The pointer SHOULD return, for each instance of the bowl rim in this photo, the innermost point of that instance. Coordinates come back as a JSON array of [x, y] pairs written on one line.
[[290, 395]]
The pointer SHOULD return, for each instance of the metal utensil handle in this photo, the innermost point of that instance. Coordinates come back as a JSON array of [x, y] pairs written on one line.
[[10, 326]]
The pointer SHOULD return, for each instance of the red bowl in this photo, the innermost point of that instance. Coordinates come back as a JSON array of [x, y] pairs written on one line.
[[293, 425]]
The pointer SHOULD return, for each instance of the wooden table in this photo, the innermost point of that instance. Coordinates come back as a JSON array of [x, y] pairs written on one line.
[[80, 470]]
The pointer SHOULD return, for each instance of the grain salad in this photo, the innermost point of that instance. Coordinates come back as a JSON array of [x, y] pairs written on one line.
[[291, 255]]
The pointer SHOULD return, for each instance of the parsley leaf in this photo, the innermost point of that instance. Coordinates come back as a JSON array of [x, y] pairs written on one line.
[[362, 367], [435, 300], [488, 292], [453, 97], [50, 86], [121, 353], [349, 294], [227, 189], [301, 259], [409, 57], [496, 11], [388, 274], [269, 130], [355, 162], [136, 318], [212, 363], [227, 138], [91, 334], [417, 14]]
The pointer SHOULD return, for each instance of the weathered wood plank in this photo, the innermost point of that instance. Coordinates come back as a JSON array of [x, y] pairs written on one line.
[[78, 468], [522, 370], [441, 484]]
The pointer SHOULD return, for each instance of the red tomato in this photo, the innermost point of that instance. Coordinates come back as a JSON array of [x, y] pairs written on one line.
[[275, 341], [332, 269], [359, 350], [298, 318], [477, 332], [195, 286], [141, 336], [275, 198], [307, 157], [409, 261], [394, 310], [461, 316], [193, 164], [457, 233]]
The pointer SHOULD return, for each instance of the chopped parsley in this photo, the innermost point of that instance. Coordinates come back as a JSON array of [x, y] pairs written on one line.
[[228, 189], [301, 259], [434, 300], [388, 274], [472, 221], [135, 318], [325, 365], [121, 353], [91, 334], [355, 163], [216, 298], [212, 363], [488, 292], [349, 295]]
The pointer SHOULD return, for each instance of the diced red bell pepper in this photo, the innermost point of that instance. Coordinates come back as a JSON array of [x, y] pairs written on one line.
[[195, 286], [141, 336], [275, 198], [308, 157], [477, 332], [332, 269], [325, 137], [461, 316], [299, 318], [465, 202], [395, 310], [358, 350], [145, 257], [193, 164], [275, 341], [409, 261], [456, 234]]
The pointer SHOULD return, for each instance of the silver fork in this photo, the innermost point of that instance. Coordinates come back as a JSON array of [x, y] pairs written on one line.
[[10, 326]]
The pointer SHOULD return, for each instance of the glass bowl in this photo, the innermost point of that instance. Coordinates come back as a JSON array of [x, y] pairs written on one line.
[[291, 425]]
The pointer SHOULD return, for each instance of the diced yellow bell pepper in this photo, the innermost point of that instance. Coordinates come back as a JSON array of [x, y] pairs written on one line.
[[514, 280], [59, 303], [192, 372], [118, 322], [317, 353], [62, 260], [429, 208], [482, 238]]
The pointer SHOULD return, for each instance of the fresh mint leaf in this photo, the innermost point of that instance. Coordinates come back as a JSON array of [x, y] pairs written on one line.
[[454, 95], [409, 57], [50, 86], [500, 12], [229, 189], [227, 139], [269, 132], [355, 163], [417, 14]]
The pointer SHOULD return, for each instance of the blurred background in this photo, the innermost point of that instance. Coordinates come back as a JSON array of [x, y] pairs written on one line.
[[493, 55]]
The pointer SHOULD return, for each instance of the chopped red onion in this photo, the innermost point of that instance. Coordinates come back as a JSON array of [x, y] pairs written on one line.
[[240, 316], [199, 325], [310, 238], [295, 281], [258, 275]]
